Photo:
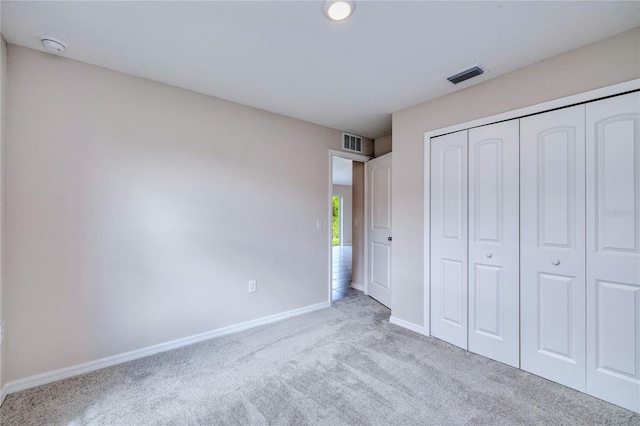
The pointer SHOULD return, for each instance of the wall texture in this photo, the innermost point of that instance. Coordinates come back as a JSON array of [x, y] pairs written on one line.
[[382, 146], [137, 213], [357, 252], [601, 64], [3, 121], [346, 192]]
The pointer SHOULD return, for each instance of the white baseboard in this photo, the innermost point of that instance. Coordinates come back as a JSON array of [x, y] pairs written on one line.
[[409, 326], [3, 394], [65, 373], [357, 286]]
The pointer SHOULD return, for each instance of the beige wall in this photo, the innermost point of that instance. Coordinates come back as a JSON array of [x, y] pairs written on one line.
[[368, 148], [357, 252], [137, 213], [346, 192], [605, 63], [3, 114], [382, 146]]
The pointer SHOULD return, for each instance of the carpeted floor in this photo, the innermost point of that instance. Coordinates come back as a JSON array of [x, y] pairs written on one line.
[[342, 365]]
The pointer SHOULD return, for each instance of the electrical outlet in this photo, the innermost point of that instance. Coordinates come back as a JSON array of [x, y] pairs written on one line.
[[1, 335], [253, 286], [319, 224]]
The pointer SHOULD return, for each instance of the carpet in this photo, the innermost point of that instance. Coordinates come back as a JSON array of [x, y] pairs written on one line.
[[345, 365]]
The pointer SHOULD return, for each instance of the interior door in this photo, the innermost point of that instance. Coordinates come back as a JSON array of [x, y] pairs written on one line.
[[494, 274], [613, 250], [449, 238], [552, 256], [378, 196]]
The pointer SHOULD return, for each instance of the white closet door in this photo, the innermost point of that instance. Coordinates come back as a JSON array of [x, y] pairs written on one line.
[[613, 250], [494, 279], [449, 238], [552, 256]]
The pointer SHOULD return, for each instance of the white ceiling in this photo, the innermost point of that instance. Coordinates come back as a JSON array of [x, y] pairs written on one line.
[[342, 171], [286, 57]]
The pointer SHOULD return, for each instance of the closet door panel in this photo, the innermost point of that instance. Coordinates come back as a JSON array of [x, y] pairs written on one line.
[[552, 253], [613, 250], [494, 242], [449, 238]]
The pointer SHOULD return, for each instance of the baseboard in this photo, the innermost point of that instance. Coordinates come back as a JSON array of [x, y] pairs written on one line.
[[357, 286], [409, 326], [67, 372], [3, 394]]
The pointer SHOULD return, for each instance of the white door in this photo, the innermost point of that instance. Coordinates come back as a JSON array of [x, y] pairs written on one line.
[[552, 256], [378, 195], [494, 274], [613, 250], [449, 238]]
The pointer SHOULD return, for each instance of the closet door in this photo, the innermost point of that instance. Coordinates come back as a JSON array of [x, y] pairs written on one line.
[[449, 238], [494, 290], [613, 250], [552, 256]]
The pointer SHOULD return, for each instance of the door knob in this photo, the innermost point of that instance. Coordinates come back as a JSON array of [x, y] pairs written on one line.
[[489, 255], [555, 262], [388, 238]]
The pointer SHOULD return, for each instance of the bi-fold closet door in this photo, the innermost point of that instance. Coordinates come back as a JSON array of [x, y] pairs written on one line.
[[552, 166], [613, 250], [474, 240], [575, 238], [580, 247]]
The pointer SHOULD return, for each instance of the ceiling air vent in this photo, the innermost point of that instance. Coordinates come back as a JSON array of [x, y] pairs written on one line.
[[466, 74], [351, 142]]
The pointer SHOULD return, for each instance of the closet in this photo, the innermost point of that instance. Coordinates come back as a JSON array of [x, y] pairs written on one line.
[[474, 240], [535, 244]]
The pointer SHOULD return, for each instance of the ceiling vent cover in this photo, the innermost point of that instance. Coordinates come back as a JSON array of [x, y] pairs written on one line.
[[466, 74], [351, 142]]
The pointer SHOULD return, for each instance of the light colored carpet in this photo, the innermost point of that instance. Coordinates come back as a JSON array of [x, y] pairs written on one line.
[[342, 365]]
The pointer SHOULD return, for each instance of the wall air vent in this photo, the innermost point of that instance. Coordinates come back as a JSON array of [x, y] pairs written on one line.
[[351, 143], [466, 74]]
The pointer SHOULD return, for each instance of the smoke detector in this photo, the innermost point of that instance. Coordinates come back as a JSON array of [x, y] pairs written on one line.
[[52, 45]]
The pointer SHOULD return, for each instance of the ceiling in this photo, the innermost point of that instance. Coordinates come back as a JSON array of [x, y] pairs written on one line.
[[342, 171], [286, 57]]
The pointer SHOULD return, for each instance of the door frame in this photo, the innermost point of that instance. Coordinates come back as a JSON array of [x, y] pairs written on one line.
[[347, 156], [592, 95]]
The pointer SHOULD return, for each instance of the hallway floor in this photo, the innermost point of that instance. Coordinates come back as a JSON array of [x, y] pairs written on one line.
[[342, 274]]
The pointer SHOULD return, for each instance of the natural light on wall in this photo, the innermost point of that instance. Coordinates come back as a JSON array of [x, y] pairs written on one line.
[[338, 10]]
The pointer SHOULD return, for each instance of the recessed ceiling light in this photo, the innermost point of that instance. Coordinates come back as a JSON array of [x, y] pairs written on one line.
[[338, 10], [52, 45]]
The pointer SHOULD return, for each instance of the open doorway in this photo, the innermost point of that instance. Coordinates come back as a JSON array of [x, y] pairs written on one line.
[[347, 228]]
